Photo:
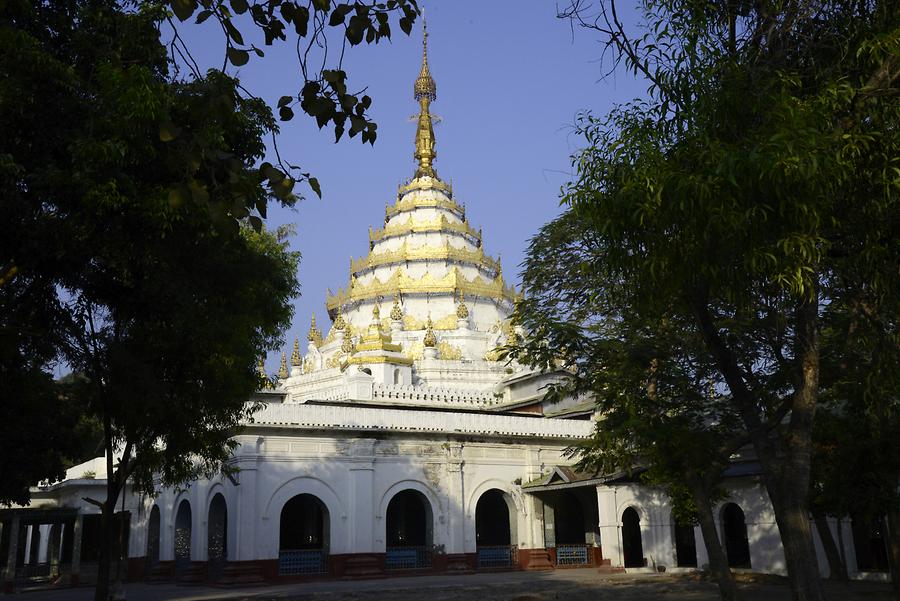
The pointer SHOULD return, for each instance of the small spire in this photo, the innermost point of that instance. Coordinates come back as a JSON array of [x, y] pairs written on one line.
[[396, 311], [339, 320], [295, 355], [425, 92], [265, 383], [430, 339], [376, 312], [314, 335], [462, 311], [283, 370], [347, 344]]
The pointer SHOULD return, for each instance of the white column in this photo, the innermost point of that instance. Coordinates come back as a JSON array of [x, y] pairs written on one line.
[[456, 514], [366, 530], [610, 534], [248, 521]]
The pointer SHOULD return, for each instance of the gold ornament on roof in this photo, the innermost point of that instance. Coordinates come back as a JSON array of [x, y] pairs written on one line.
[[405, 254], [417, 202], [403, 284], [462, 311], [376, 313], [339, 320], [396, 311], [283, 370], [430, 339], [347, 343], [425, 91], [411, 226], [314, 335], [265, 382], [295, 355]]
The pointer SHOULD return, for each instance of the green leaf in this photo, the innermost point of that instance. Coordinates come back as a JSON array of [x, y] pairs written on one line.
[[237, 56], [286, 113], [285, 100], [203, 15], [239, 6], [256, 223], [183, 9], [314, 184], [168, 131]]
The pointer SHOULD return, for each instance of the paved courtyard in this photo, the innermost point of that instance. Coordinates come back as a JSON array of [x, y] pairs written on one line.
[[570, 585]]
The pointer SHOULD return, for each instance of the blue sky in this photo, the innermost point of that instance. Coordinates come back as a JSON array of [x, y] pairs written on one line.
[[511, 79]]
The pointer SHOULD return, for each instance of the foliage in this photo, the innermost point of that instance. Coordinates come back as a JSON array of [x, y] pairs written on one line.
[[755, 187], [312, 27]]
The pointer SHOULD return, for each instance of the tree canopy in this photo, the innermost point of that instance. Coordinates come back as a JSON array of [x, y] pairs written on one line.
[[755, 187]]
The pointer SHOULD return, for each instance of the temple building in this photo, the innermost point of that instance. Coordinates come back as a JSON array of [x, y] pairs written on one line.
[[399, 442]]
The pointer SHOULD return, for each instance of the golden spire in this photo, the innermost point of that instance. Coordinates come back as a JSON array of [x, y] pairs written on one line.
[[396, 311], [314, 335], [462, 311], [339, 320], [283, 370], [265, 383], [295, 355], [425, 91], [376, 312], [430, 339], [347, 344]]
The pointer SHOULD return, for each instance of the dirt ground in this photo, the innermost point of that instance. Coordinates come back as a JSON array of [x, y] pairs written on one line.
[[567, 585]]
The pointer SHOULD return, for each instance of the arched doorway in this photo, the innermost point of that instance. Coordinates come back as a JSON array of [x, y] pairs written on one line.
[[217, 536], [153, 539], [632, 544], [303, 536], [409, 531], [569, 530], [183, 537], [734, 531], [494, 528], [870, 544], [685, 546]]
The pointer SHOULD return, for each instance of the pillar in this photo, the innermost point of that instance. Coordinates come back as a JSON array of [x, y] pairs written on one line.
[[456, 508], [248, 520], [9, 574], [76, 547], [608, 524], [362, 500]]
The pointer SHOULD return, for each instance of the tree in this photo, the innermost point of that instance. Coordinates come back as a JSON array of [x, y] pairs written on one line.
[[655, 388], [762, 167], [134, 249]]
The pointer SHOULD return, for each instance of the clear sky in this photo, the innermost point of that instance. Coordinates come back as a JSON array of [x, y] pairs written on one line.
[[511, 78]]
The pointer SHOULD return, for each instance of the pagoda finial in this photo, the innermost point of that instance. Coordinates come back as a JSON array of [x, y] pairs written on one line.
[[396, 311], [283, 370], [295, 355], [462, 312], [347, 343], [430, 339], [425, 91], [339, 320], [314, 335]]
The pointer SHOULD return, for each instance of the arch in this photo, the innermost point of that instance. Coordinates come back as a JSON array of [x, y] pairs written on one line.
[[217, 534], [402, 485], [495, 529], [397, 379], [304, 485], [153, 532], [518, 503], [734, 533], [685, 544], [569, 517], [870, 544], [632, 544], [182, 542], [409, 530], [303, 535], [493, 526]]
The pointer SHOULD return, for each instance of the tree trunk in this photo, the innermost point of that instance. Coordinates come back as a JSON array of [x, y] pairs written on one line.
[[893, 544], [107, 524], [718, 561], [837, 569], [792, 517]]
